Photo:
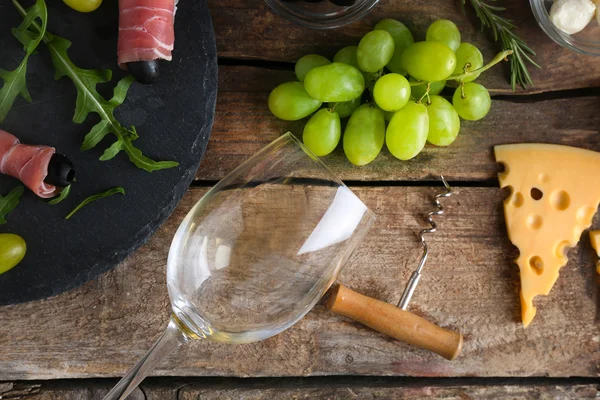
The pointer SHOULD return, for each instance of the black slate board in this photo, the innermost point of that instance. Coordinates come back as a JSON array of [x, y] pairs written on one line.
[[173, 119]]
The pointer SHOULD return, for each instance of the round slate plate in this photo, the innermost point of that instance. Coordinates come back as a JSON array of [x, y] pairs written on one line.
[[173, 119]]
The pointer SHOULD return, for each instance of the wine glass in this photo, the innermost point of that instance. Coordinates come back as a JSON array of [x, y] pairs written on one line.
[[257, 252]]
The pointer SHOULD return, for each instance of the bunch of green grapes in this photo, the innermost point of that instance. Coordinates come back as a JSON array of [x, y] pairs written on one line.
[[404, 80]]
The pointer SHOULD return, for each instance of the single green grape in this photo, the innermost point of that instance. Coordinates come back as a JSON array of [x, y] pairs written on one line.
[[434, 88], [83, 6], [407, 131], [402, 39], [347, 55], [290, 101], [12, 251], [444, 31], [375, 50], [364, 135], [346, 108], [308, 62], [444, 123], [429, 61], [475, 104], [391, 92], [322, 132], [467, 53], [334, 82]]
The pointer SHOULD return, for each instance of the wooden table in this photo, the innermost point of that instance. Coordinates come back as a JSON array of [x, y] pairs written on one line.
[[73, 345]]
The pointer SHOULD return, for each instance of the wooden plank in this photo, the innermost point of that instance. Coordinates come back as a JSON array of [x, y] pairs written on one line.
[[470, 285], [247, 29], [243, 125], [74, 390]]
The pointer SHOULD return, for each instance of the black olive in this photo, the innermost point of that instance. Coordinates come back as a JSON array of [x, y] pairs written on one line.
[[145, 71], [343, 3], [60, 171]]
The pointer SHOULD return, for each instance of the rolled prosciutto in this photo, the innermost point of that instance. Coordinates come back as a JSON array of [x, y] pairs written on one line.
[[38, 167], [146, 35]]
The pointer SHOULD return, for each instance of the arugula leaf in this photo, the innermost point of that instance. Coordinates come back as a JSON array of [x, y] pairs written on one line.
[[63, 195], [95, 197], [15, 82], [90, 101], [9, 202]]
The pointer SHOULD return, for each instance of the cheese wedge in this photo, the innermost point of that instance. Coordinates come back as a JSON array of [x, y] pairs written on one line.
[[555, 192], [595, 239]]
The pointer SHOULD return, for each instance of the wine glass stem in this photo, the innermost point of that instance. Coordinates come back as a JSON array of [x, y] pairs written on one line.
[[171, 339]]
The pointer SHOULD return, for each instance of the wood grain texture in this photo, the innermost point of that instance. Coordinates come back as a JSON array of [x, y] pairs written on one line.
[[470, 285], [243, 125], [248, 29], [192, 391]]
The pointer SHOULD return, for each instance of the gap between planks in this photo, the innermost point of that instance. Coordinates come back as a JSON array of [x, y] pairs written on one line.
[[331, 387], [517, 96]]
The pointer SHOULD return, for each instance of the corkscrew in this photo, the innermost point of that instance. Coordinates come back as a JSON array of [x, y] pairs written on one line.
[[416, 275], [396, 321]]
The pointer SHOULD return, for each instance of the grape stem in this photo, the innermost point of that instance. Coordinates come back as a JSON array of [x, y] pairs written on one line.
[[502, 56], [426, 94]]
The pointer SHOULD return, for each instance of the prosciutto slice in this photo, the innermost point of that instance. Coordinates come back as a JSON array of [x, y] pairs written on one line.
[[27, 163], [146, 30]]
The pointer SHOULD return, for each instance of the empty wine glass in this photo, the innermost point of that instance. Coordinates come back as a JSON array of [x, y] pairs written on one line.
[[257, 252]]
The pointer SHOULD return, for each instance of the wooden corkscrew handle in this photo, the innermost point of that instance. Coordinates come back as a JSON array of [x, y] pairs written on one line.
[[395, 322]]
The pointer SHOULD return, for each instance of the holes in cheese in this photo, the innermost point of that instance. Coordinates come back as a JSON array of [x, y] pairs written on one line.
[[560, 200], [554, 196], [517, 200], [537, 265], [534, 222], [536, 194], [561, 250]]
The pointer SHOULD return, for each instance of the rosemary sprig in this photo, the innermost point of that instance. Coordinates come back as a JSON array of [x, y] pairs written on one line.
[[502, 29]]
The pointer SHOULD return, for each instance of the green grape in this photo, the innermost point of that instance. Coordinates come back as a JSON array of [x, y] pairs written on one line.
[[391, 92], [322, 132], [347, 55], [467, 53], [429, 61], [407, 131], [434, 88], [364, 135], [375, 50], [444, 123], [308, 62], [334, 82], [12, 251], [475, 104], [444, 31], [290, 101], [402, 39], [346, 108]]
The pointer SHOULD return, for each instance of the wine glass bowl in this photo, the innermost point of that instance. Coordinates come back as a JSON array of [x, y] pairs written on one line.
[[257, 252]]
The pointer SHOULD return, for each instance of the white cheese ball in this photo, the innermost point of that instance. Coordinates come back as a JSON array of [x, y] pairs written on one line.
[[571, 16]]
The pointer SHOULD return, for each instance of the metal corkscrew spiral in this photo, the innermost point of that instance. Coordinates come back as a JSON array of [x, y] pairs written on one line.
[[416, 275]]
